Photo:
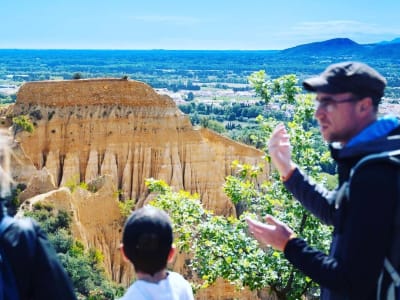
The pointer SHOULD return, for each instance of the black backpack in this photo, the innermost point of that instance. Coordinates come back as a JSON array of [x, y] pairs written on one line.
[[391, 268]]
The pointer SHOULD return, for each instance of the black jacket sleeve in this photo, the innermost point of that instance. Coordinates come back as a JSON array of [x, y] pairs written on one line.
[[315, 198]]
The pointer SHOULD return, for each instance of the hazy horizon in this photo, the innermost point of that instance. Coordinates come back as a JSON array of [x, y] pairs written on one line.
[[233, 50]]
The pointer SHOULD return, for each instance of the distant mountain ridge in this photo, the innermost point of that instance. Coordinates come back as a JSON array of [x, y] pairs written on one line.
[[346, 47], [394, 41]]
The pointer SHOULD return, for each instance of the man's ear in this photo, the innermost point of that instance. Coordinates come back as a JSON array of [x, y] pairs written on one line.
[[366, 104], [121, 248], [171, 253]]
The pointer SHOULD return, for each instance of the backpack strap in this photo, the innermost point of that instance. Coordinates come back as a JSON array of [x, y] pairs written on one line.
[[392, 272], [393, 260], [342, 193], [344, 190], [391, 156]]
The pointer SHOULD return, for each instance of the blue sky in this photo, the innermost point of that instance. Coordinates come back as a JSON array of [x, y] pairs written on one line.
[[196, 24]]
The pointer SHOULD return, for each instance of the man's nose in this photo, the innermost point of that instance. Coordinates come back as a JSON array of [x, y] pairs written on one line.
[[319, 112]]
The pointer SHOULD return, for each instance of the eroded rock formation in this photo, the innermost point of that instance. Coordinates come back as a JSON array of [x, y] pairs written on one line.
[[88, 128], [119, 132]]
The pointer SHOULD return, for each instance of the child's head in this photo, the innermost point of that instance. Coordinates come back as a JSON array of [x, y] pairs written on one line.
[[147, 239]]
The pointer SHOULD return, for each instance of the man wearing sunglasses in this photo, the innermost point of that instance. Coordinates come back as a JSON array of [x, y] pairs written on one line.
[[362, 208]]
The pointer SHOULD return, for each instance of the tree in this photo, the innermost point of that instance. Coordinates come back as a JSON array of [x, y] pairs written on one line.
[[250, 135], [190, 96], [204, 121], [77, 76], [195, 119], [216, 126], [272, 197], [22, 123], [220, 246]]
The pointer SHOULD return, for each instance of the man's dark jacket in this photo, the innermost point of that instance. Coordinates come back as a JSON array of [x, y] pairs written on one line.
[[363, 224]]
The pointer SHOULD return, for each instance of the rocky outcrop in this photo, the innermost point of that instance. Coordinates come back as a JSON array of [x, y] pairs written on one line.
[[88, 128], [113, 134], [96, 221], [39, 183]]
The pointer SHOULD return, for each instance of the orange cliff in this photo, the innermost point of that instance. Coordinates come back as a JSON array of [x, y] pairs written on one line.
[[115, 133], [123, 128]]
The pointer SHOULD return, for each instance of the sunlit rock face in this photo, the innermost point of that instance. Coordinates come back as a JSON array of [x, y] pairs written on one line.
[[123, 128]]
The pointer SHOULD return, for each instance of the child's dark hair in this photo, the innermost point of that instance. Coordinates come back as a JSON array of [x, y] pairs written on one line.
[[147, 239]]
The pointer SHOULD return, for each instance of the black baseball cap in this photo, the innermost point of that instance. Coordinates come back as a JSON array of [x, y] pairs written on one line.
[[348, 77]]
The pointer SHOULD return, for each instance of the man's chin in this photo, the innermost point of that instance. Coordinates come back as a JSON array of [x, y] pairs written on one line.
[[324, 133]]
